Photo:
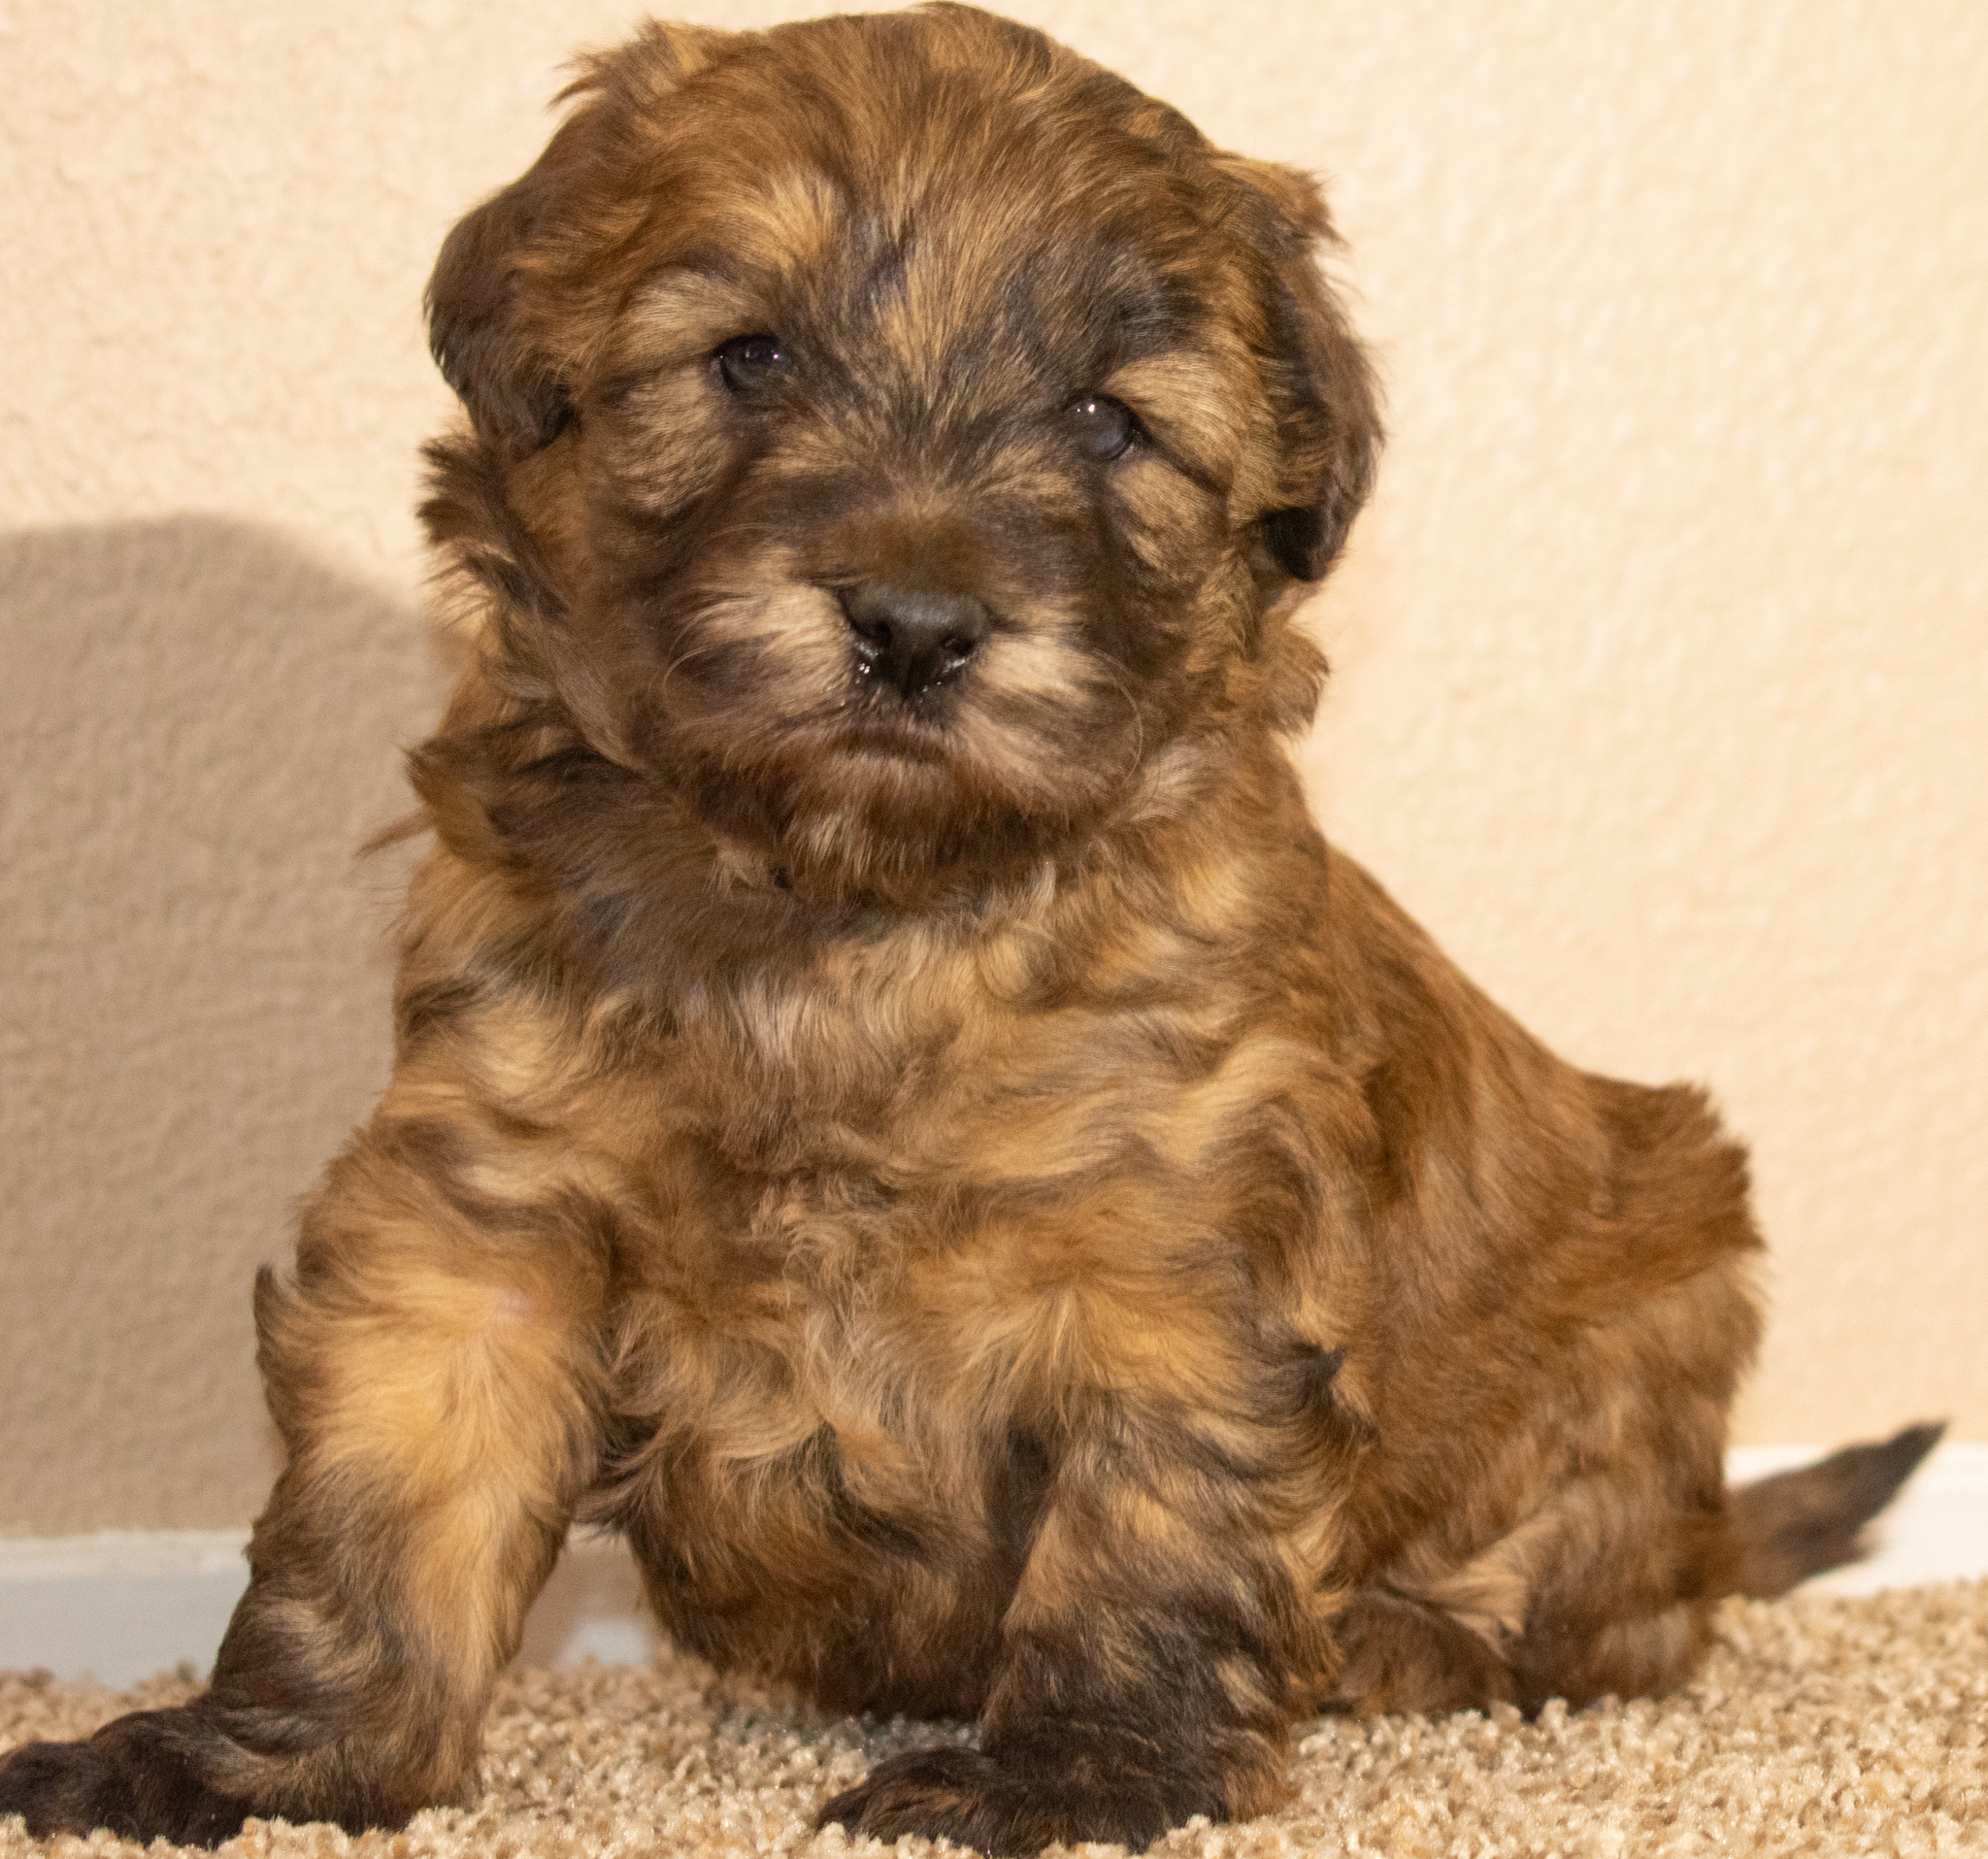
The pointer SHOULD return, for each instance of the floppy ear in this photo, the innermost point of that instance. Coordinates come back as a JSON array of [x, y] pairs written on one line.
[[1320, 383], [546, 220], [512, 390]]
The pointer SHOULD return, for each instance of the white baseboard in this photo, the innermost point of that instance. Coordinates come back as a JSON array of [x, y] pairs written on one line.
[[122, 1604]]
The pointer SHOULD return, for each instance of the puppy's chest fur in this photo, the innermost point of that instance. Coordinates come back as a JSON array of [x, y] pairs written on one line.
[[886, 1219]]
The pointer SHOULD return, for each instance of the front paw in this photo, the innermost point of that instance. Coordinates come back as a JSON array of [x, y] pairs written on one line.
[[1056, 1784], [131, 1777], [940, 1793]]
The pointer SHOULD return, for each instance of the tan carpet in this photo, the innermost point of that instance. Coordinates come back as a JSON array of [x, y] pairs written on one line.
[[1818, 1726]]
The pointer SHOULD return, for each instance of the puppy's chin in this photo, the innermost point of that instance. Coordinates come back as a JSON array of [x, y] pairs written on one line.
[[889, 811]]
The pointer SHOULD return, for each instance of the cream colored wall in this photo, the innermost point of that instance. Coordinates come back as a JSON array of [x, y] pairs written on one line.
[[1662, 655]]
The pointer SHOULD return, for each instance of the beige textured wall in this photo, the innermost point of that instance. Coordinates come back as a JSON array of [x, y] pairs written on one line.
[[1663, 655]]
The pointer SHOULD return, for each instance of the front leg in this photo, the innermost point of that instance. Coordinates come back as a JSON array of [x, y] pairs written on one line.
[[434, 1386], [1149, 1658]]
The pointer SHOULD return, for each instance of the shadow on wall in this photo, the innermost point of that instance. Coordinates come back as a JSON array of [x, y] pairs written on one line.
[[199, 724]]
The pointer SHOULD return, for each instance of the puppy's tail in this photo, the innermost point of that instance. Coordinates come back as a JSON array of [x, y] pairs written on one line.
[[1798, 1523]]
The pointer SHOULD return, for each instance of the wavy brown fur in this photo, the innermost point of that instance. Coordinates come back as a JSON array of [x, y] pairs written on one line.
[[896, 1107]]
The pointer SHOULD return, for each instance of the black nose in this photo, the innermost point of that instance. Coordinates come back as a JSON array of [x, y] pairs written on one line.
[[912, 641]]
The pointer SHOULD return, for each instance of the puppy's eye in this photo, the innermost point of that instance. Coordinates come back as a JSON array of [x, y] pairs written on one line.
[[1105, 428], [750, 362]]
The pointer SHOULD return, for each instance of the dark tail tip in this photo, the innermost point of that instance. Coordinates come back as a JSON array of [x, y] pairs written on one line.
[[1798, 1523]]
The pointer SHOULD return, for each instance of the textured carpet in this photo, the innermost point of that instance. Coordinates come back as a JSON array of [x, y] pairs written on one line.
[[1818, 1726]]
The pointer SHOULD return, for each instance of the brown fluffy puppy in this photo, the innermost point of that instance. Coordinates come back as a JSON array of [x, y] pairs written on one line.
[[896, 1107]]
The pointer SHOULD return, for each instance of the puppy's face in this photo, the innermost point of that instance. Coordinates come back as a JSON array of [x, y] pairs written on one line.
[[914, 425]]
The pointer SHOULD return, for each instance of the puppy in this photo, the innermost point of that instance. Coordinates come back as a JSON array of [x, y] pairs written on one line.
[[896, 1108]]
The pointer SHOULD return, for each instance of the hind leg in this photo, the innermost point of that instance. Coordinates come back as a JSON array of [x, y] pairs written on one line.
[[434, 1394], [1624, 1604], [1607, 1589], [1584, 1658], [1402, 1655]]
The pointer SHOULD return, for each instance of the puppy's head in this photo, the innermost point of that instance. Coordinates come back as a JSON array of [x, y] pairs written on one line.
[[909, 431]]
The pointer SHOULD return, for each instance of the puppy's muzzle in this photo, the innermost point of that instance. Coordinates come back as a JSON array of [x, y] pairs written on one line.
[[912, 641]]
